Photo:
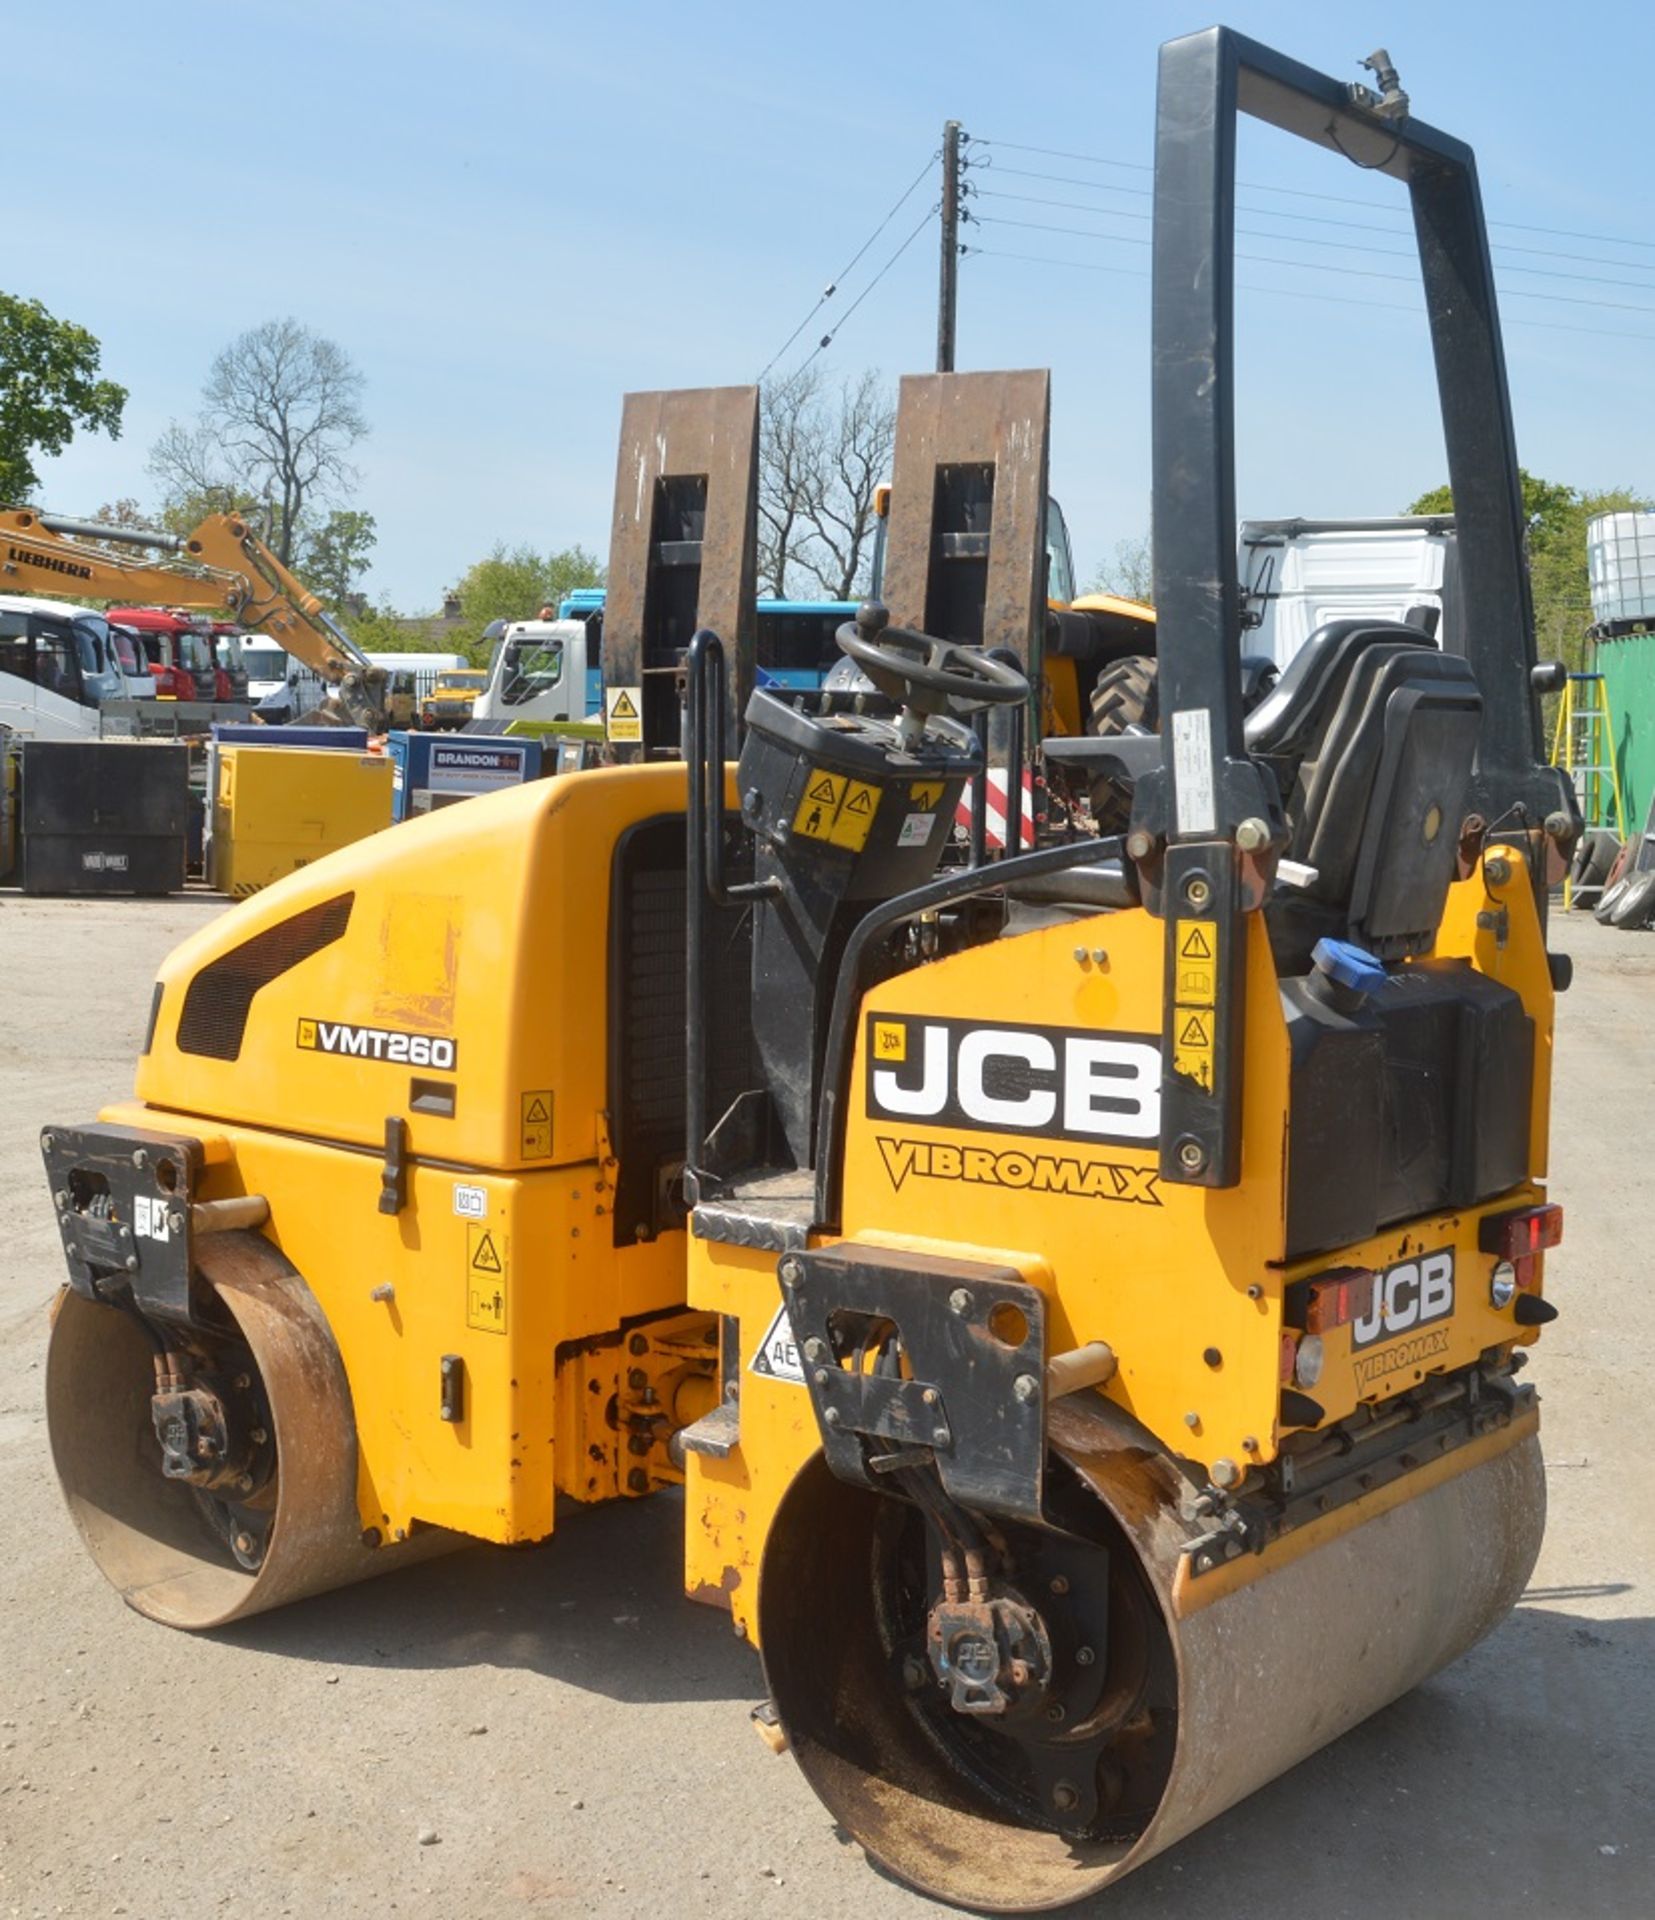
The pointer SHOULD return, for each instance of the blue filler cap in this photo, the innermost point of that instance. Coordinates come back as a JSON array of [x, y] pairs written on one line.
[[1349, 965]]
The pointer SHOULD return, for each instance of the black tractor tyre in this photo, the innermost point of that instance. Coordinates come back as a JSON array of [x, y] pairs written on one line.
[[1594, 857], [1125, 699]]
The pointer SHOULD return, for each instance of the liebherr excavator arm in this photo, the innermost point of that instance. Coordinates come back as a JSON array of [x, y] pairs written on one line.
[[222, 566]]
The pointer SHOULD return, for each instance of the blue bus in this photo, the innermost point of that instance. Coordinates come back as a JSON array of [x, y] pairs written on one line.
[[795, 639]]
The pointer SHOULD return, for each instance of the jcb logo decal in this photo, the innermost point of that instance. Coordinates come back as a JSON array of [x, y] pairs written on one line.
[[1037, 1172], [1411, 1294], [1062, 1083]]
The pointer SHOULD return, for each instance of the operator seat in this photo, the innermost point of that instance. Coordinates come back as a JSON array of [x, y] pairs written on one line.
[[1372, 735]]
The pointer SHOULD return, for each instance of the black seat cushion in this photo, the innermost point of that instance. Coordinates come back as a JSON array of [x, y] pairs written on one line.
[[1377, 799], [1297, 709]]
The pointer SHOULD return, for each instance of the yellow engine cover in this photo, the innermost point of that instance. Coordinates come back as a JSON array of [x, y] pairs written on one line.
[[453, 977]]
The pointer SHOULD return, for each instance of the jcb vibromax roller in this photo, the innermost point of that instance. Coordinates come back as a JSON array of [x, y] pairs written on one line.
[[1085, 1292]]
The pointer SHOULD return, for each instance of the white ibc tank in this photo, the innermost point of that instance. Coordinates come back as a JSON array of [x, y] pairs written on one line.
[[1620, 563]]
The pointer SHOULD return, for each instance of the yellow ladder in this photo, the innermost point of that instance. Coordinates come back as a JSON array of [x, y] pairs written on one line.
[[1583, 744]]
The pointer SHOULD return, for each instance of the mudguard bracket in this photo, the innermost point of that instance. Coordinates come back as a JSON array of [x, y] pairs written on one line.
[[123, 1197], [973, 1341]]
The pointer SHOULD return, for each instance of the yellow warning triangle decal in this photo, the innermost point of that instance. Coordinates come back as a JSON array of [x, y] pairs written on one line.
[[1194, 1035], [537, 1110], [1194, 946], [824, 788], [623, 709], [861, 801], [485, 1259]]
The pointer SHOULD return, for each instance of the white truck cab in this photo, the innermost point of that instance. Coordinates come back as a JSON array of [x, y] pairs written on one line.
[[1297, 574], [267, 665], [537, 673], [127, 649]]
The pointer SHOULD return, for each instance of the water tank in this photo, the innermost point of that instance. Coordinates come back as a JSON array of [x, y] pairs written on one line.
[[1620, 564]]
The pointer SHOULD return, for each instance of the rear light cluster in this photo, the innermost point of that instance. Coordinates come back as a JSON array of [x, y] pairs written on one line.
[[1520, 1236], [1326, 1300], [1333, 1299], [1341, 1295]]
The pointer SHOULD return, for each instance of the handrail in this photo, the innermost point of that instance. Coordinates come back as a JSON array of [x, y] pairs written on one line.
[[705, 884]]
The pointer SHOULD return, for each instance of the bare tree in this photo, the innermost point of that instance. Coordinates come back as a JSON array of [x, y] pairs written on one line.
[[858, 446], [280, 413], [821, 458], [1130, 574], [790, 462], [189, 462]]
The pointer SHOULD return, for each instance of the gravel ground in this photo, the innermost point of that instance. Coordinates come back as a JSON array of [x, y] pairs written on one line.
[[558, 1731]]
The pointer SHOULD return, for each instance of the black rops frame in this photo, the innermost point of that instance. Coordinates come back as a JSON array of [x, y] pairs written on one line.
[[1206, 80]]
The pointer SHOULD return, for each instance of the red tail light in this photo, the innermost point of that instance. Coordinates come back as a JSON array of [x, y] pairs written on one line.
[[1521, 1236], [1331, 1299], [1522, 1232]]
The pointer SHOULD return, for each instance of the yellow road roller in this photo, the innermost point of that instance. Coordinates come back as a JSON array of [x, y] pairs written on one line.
[[1083, 1294]]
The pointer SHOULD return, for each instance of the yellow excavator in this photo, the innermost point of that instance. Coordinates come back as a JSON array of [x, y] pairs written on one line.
[[221, 567], [1083, 1294]]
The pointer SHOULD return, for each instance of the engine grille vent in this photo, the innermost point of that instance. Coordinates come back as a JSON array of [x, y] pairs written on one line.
[[220, 996]]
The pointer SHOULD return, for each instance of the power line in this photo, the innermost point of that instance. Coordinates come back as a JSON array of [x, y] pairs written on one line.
[[1315, 240], [1283, 213], [1291, 293], [1300, 193], [828, 338], [1305, 266], [849, 267]]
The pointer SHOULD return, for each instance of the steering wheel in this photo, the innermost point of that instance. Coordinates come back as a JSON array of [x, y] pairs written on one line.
[[928, 676]]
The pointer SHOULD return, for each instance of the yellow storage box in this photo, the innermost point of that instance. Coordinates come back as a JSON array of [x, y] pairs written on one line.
[[277, 809]]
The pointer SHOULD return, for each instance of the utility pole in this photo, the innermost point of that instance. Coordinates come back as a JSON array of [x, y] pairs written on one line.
[[948, 290]]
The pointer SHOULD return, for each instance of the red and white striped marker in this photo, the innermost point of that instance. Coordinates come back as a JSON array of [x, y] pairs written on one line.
[[999, 789]]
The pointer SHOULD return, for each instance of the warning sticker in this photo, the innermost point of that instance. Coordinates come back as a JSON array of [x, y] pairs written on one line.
[[916, 828], [823, 793], [1197, 961], [837, 809], [926, 794], [1192, 770], [623, 713], [536, 1129], [856, 812], [149, 1217], [486, 1276], [778, 1354], [1192, 1045]]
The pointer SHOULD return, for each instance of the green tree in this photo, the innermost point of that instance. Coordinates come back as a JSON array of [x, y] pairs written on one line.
[[1555, 518], [383, 630], [49, 386], [514, 584], [333, 556]]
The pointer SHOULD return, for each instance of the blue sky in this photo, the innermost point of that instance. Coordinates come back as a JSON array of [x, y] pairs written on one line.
[[510, 214]]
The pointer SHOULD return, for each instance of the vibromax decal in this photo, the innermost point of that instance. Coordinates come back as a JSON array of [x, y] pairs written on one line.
[[379, 1043], [1036, 1172]]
